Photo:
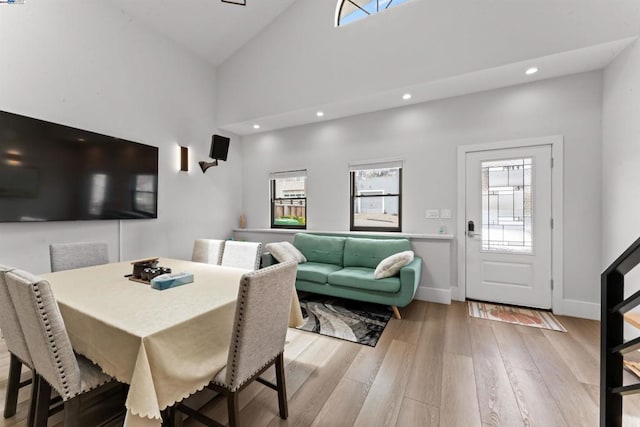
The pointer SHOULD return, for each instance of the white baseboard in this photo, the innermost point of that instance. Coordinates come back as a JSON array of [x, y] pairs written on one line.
[[441, 296], [574, 308]]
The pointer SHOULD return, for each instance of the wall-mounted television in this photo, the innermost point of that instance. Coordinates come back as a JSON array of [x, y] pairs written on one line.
[[51, 172]]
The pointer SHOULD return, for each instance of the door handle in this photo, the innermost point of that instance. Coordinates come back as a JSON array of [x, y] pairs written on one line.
[[470, 228]]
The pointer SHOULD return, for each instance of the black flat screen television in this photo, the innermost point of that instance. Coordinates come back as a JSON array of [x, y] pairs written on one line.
[[51, 172]]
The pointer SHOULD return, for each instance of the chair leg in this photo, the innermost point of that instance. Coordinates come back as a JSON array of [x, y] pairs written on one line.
[[282, 387], [42, 402], [13, 386], [168, 417], [72, 412], [34, 399], [232, 406]]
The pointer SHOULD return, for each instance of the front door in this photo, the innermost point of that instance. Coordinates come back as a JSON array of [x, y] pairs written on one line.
[[508, 217]]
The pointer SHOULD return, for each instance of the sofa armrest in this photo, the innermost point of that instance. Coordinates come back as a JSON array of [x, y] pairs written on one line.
[[410, 280], [267, 259]]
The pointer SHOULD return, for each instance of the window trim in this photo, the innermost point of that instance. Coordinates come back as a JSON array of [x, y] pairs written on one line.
[[272, 191], [353, 197]]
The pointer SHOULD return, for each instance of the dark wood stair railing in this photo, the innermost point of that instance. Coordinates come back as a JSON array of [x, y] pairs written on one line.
[[612, 344]]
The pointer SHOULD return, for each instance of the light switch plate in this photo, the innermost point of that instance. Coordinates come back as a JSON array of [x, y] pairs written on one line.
[[445, 213], [433, 213]]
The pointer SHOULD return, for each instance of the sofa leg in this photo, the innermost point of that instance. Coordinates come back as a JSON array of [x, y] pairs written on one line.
[[396, 313]]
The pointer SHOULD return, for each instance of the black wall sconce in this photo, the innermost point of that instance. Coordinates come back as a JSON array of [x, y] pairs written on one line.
[[219, 151], [184, 159]]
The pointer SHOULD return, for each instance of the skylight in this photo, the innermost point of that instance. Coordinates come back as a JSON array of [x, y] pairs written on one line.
[[352, 10]]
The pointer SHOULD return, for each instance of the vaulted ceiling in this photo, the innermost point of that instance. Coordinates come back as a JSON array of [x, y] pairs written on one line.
[[280, 61]]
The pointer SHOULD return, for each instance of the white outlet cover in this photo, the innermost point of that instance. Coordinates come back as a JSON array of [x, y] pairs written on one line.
[[433, 213], [445, 213]]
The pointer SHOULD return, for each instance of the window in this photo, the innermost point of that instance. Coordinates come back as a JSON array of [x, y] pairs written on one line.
[[289, 199], [352, 10], [376, 196]]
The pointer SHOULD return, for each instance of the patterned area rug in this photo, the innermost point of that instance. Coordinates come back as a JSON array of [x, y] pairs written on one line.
[[519, 316], [349, 320]]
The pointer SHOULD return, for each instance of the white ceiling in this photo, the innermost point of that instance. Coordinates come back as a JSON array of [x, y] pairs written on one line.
[[269, 52], [209, 28]]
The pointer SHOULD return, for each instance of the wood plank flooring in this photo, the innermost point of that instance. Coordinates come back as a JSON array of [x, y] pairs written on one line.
[[436, 367]]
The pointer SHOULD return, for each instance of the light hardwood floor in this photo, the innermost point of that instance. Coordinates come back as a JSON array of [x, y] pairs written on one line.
[[435, 367]]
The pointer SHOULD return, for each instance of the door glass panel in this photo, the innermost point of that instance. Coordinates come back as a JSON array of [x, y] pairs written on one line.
[[507, 206]]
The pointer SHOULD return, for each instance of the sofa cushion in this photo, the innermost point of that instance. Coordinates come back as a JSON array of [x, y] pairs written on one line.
[[391, 266], [315, 271], [359, 252], [285, 251], [362, 278], [322, 249]]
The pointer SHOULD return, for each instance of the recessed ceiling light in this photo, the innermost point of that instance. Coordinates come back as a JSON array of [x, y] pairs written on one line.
[[320, 114], [530, 71], [256, 126], [406, 96]]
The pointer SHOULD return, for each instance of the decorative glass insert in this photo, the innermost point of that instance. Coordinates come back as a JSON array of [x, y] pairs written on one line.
[[352, 10], [507, 206], [289, 199]]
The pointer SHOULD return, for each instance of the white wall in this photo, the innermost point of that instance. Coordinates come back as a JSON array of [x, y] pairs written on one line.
[[621, 163], [426, 136], [621, 154], [303, 61], [84, 64]]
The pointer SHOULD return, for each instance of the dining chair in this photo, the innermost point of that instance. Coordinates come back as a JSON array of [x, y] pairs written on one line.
[[53, 358], [208, 251], [18, 351], [257, 340], [68, 256], [242, 255]]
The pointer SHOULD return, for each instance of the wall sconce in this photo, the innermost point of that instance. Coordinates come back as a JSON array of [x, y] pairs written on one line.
[[184, 159]]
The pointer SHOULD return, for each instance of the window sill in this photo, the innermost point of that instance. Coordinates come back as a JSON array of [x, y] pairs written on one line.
[[428, 236]]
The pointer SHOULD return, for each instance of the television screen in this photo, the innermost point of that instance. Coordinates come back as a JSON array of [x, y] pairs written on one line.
[[51, 172]]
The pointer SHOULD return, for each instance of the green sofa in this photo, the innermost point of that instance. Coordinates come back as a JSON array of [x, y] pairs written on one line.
[[343, 267]]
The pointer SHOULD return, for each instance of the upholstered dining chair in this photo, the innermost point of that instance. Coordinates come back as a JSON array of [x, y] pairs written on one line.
[[53, 358], [18, 351], [208, 251], [68, 256], [257, 340], [242, 255]]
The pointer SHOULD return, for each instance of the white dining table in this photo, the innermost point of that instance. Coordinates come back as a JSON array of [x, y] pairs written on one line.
[[165, 344]]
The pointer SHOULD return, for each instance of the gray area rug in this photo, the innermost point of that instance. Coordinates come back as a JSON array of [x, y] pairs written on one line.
[[354, 321]]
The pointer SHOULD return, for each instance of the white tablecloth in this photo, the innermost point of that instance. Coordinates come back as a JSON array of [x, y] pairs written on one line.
[[165, 344]]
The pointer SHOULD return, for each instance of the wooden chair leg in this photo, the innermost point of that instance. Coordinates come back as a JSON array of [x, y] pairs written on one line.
[[34, 399], [42, 403], [396, 312], [13, 386], [72, 412], [282, 387], [232, 406]]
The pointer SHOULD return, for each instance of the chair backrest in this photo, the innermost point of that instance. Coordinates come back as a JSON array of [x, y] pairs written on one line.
[[67, 256], [45, 332], [9, 323], [208, 251], [242, 254], [261, 319]]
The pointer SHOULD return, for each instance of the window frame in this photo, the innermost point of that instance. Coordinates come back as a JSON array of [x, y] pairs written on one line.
[[340, 5], [272, 192], [353, 198]]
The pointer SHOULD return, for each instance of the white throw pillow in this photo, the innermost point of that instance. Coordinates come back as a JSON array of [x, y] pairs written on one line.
[[285, 251], [390, 266]]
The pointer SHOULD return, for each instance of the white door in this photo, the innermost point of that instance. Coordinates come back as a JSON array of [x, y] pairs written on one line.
[[508, 217]]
